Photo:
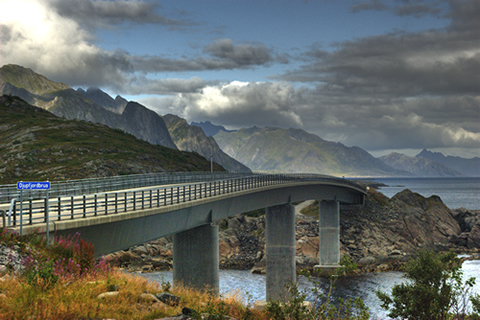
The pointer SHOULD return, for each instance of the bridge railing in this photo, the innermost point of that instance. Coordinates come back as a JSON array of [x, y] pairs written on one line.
[[35, 210], [104, 184]]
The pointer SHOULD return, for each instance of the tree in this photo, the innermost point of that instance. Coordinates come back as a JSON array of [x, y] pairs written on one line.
[[434, 286]]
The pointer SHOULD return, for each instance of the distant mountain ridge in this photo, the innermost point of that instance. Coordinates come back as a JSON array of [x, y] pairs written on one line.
[[192, 138], [97, 106], [419, 166], [116, 105], [209, 128], [468, 167], [295, 150]]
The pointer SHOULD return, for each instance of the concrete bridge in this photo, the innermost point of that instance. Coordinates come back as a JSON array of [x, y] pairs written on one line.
[[119, 219]]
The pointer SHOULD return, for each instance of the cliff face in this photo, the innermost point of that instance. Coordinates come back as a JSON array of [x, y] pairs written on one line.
[[193, 139], [380, 236]]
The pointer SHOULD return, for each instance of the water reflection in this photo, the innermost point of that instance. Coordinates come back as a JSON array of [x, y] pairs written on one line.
[[251, 287]]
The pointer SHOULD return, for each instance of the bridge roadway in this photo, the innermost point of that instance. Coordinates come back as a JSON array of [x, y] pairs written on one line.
[[117, 220]]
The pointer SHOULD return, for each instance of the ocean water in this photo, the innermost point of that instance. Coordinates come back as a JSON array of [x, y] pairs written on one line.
[[454, 192], [252, 287]]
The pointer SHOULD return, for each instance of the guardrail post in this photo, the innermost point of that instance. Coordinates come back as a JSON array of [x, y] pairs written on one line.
[[71, 207], [134, 200], [84, 206], [106, 203], [95, 205], [125, 204], [30, 211], [59, 209]]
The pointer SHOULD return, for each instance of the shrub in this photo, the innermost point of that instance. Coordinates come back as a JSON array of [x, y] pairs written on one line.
[[293, 306], [434, 289]]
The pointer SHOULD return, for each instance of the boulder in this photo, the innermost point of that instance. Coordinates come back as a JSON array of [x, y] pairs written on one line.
[[168, 298]]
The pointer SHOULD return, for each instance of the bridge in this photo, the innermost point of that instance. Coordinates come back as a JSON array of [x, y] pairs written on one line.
[[119, 212]]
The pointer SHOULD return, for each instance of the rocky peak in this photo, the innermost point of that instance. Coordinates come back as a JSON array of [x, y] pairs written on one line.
[[27, 79]]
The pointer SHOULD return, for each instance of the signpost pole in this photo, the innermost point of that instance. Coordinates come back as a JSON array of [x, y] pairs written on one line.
[[21, 212], [47, 219]]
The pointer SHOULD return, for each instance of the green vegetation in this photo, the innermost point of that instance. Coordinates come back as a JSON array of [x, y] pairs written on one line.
[[38, 145], [63, 281], [435, 290], [294, 306]]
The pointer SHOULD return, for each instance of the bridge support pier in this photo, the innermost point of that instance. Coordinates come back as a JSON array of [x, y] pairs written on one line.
[[195, 258], [280, 250], [329, 234]]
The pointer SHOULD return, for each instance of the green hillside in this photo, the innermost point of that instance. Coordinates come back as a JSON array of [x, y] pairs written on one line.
[[37, 145]]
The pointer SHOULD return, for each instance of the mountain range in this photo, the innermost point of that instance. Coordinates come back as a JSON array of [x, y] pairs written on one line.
[[96, 106], [37, 145], [259, 149]]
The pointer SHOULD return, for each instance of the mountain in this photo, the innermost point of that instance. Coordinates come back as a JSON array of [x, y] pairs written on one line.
[[209, 128], [468, 167], [37, 145], [101, 98], [192, 138], [418, 166], [295, 150], [63, 101]]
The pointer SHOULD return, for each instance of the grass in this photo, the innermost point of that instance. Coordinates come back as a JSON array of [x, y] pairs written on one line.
[[62, 281]]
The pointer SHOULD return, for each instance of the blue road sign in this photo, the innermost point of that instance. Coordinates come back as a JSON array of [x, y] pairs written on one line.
[[33, 185]]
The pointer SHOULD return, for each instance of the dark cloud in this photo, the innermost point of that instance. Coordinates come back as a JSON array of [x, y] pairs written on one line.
[[102, 13], [416, 10], [368, 5], [434, 62], [243, 54], [221, 55]]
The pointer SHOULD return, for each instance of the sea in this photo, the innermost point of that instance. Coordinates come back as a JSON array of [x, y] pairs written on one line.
[[454, 192]]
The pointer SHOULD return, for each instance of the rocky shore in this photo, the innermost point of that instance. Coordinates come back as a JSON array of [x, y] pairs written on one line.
[[380, 236]]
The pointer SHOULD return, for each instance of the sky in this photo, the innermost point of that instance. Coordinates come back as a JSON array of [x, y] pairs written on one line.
[[387, 76]]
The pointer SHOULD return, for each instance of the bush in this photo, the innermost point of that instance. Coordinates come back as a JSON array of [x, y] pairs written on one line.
[[434, 290], [293, 305]]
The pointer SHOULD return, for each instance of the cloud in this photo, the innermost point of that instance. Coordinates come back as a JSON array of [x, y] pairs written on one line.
[[243, 54], [238, 104], [416, 8], [55, 46], [51, 38], [143, 85], [221, 55], [368, 5], [384, 124], [103, 13]]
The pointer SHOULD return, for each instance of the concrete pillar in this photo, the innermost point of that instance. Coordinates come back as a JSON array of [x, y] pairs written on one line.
[[195, 258], [280, 250], [329, 232]]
